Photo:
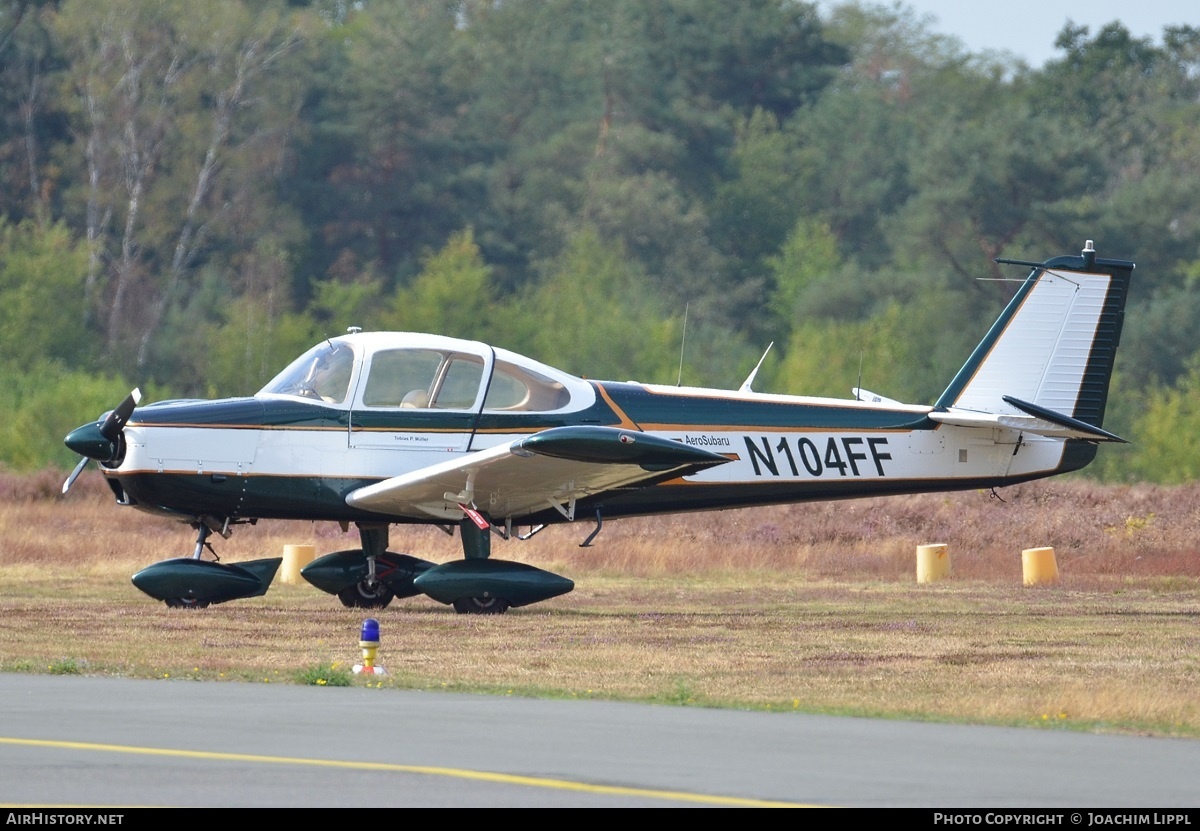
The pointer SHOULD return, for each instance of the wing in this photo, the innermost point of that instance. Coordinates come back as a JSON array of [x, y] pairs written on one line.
[[548, 469]]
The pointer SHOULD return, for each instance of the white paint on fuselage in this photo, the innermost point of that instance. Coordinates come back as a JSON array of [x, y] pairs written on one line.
[[875, 459], [864, 455], [282, 452]]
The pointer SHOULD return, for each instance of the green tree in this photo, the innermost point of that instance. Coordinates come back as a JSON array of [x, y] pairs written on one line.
[[31, 124], [1138, 103], [904, 343], [44, 401], [1167, 435], [706, 65], [592, 314], [385, 169], [756, 207], [829, 358], [988, 183], [453, 295], [808, 256], [42, 270], [237, 364]]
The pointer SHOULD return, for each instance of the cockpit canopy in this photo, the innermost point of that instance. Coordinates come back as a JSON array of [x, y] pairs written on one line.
[[403, 370]]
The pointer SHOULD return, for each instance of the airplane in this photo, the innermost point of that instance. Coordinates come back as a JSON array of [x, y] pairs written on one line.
[[389, 428]]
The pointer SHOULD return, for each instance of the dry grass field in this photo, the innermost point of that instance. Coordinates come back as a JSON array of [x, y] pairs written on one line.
[[812, 608]]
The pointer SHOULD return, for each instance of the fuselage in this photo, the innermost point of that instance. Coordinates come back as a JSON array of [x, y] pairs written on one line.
[[287, 457]]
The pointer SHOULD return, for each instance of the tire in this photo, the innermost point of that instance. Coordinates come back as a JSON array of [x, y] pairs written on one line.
[[185, 603], [481, 605], [364, 595]]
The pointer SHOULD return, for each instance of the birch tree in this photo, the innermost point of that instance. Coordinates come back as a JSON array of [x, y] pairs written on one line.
[[170, 102]]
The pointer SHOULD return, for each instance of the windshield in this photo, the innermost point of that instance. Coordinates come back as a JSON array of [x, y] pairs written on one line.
[[322, 374]]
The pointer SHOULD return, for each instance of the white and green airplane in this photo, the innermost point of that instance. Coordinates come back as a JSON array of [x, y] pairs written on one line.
[[383, 428]]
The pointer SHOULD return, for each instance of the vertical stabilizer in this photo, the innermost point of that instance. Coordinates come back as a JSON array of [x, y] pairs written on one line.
[[1054, 345]]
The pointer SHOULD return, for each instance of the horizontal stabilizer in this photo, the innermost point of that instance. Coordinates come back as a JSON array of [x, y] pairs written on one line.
[[1086, 430], [1039, 421]]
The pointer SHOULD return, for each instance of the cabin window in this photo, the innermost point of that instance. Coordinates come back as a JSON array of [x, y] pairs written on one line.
[[459, 384], [402, 378], [519, 389], [423, 379], [429, 379]]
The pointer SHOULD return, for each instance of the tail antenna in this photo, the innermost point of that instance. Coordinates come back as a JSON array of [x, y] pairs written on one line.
[[858, 389], [682, 344]]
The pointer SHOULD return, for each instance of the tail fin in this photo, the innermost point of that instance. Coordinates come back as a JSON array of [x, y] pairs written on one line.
[[1050, 355]]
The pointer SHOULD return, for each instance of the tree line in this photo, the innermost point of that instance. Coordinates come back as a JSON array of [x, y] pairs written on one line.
[[191, 194]]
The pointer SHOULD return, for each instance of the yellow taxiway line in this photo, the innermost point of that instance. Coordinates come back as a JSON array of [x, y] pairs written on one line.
[[427, 770]]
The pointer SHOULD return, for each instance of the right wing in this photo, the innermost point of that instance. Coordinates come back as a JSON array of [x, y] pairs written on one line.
[[552, 468]]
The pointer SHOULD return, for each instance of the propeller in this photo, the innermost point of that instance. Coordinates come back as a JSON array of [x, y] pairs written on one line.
[[100, 439]]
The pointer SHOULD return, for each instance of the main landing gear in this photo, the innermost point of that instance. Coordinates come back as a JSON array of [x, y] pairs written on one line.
[[369, 577], [475, 585]]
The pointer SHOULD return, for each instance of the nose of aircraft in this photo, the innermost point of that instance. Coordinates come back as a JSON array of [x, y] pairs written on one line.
[[90, 442], [98, 440]]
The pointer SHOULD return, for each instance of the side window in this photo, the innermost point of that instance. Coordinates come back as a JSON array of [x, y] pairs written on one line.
[[505, 393], [401, 378], [517, 389], [460, 384]]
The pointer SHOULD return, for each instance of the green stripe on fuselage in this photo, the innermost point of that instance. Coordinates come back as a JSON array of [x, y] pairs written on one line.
[[664, 411]]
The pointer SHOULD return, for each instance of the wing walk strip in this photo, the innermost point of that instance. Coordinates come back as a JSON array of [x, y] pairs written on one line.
[[457, 773]]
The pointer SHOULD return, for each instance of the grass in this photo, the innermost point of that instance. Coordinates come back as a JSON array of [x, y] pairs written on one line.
[[326, 675], [811, 608]]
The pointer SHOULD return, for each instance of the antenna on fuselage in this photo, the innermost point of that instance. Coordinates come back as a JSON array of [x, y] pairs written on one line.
[[858, 389], [682, 344], [745, 387]]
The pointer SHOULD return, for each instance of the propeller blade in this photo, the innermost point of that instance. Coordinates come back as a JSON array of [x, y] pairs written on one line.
[[116, 419], [75, 474]]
